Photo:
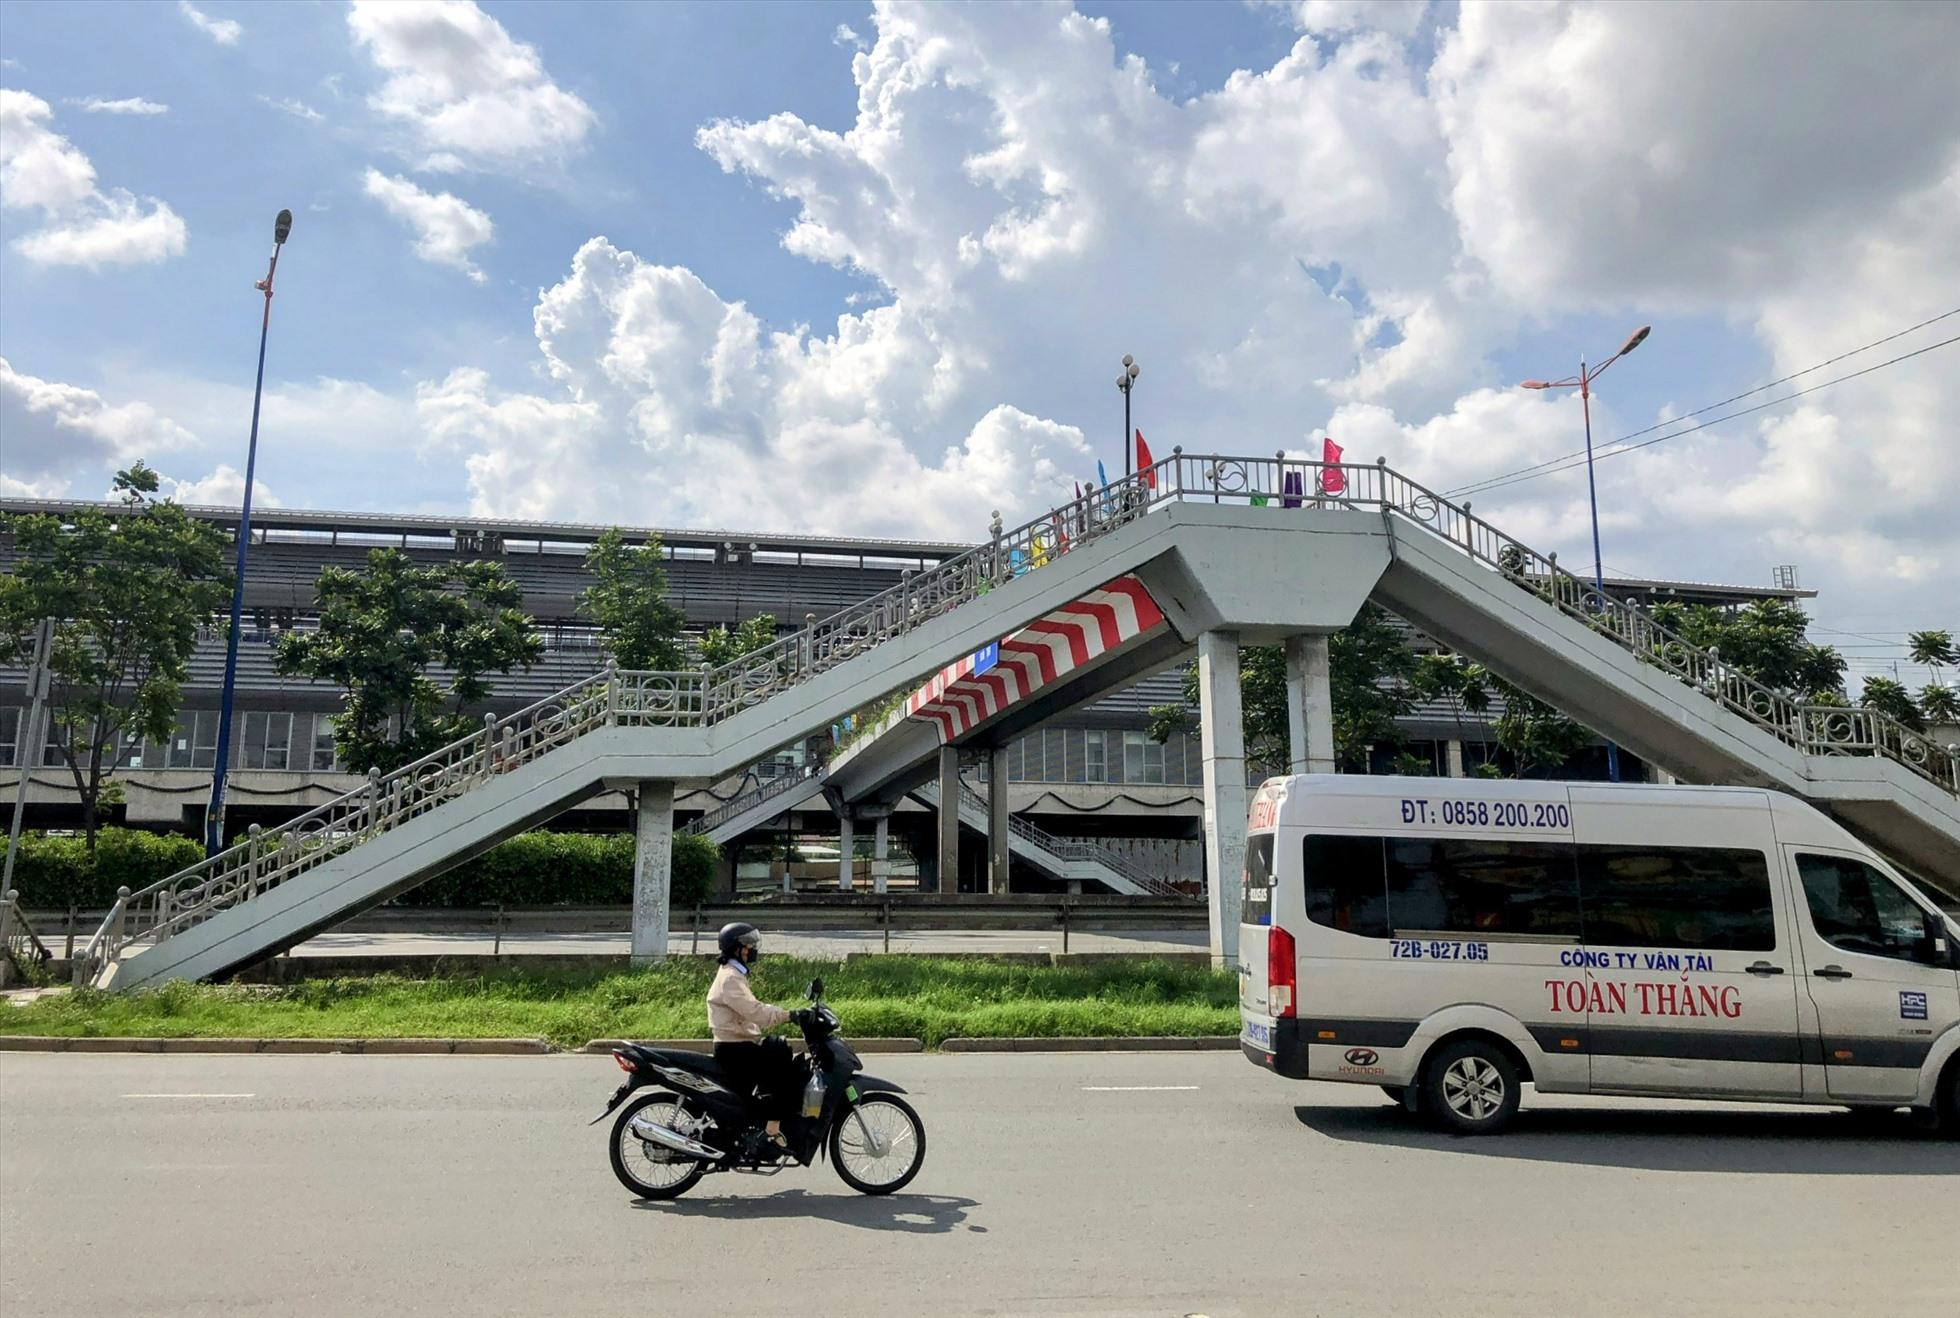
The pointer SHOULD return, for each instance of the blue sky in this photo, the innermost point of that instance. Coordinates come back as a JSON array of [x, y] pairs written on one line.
[[767, 264]]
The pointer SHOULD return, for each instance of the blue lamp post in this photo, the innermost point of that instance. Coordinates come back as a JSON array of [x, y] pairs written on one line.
[[1583, 382], [214, 817]]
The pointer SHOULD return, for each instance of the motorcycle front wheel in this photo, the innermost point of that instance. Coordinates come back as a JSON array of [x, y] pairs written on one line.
[[650, 1170], [879, 1145]]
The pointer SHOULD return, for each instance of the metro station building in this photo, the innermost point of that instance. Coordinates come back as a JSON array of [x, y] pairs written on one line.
[[1092, 772]]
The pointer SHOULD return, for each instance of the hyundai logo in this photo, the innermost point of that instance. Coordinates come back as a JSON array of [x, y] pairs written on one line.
[[1362, 1057]]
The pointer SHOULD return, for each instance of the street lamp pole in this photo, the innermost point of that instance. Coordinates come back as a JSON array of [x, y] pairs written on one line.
[[1125, 380], [1583, 380], [214, 816]]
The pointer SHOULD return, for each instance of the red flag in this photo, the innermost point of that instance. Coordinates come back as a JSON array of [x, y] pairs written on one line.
[[1332, 479], [1144, 462]]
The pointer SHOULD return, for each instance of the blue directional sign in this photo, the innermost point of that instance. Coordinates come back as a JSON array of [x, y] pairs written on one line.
[[986, 657]]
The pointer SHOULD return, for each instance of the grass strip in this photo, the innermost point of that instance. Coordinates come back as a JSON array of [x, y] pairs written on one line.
[[896, 996]]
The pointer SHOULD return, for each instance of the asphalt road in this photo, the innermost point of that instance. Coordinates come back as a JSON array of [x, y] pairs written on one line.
[[1054, 1184], [788, 942]]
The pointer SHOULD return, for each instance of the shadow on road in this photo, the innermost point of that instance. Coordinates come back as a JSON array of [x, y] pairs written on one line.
[[1668, 1139], [917, 1214]]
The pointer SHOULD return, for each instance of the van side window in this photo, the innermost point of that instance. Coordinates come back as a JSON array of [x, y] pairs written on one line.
[[1474, 886], [1344, 887], [1858, 909], [1256, 897], [1709, 898]]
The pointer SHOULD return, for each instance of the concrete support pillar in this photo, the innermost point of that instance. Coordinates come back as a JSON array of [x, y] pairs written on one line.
[[1222, 736], [881, 855], [1453, 758], [846, 843], [653, 870], [1656, 774], [1309, 705], [949, 819], [997, 850]]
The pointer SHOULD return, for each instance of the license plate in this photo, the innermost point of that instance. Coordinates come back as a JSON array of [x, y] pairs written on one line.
[[1259, 1036]]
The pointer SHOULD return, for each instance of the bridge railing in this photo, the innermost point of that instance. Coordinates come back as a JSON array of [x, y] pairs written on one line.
[[271, 857], [744, 802]]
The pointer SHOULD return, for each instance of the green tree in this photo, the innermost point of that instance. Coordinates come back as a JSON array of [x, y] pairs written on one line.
[[129, 591], [1370, 668], [1536, 735], [628, 603], [1939, 704], [721, 646], [1934, 649], [1463, 688], [382, 628], [1887, 696], [1766, 641]]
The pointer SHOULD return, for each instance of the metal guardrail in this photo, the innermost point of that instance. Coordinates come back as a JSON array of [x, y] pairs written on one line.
[[272, 857], [747, 801], [22, 953]]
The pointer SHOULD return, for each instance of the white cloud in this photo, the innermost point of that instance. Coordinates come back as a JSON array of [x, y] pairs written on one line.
[[446, 227], [223, 487], [38, 167], [81, 225], [468, 94], [296, 108], [56, 432], [128, 105], [224, 31], [847, 36], [1403, 18]]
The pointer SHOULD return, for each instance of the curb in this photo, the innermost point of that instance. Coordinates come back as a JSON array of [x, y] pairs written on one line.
[[1111, 1044], [437, 1047], [708, 1045]]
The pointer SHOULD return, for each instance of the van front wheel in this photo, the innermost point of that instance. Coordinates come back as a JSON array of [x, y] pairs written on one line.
[[1471, 1088]]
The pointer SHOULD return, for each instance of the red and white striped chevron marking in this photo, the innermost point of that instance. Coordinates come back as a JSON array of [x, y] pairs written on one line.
[[959, 700]]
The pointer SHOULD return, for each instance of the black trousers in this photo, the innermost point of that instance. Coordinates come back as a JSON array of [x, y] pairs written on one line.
[[768, 1069]]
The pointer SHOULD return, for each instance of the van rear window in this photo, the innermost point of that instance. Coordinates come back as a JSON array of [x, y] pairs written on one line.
[[1256, 896]]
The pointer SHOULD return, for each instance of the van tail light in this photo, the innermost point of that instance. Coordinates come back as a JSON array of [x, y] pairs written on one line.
[[1282, 975]]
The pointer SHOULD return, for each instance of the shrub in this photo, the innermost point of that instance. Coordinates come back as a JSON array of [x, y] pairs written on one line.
[[565, 869], [532, 869], [54, 873]]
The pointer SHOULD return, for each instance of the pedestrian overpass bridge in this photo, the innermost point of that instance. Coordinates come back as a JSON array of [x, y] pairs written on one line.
[[1225, 553]]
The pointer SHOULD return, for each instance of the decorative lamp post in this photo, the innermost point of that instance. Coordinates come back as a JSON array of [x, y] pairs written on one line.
[[1583, 382], [214, 816]]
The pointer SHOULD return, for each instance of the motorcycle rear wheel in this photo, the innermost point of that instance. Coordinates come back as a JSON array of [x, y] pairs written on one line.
[[878, 1146], [649, 1170]]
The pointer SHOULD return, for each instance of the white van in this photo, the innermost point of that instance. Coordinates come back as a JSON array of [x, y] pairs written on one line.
[[1449, 939]]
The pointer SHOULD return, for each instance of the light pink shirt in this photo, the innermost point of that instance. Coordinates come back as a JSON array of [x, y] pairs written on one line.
[[735, 1014]]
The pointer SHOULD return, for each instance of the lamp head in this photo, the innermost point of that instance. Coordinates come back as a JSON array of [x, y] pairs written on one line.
[[1128, 360], [1135, 370], [1638, 337], [1123, 380], [282, 227], [1535, 384]]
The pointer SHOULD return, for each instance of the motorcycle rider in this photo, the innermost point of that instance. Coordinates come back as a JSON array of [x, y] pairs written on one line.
[[737, 1019]]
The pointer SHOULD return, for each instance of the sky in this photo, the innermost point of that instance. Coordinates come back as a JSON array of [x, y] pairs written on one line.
[[870, 269]]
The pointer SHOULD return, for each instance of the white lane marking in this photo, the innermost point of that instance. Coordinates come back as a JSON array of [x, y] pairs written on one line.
[[190, 1095], [1138, 1089]]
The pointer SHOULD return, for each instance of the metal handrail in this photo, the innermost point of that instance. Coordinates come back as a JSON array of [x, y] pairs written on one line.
[[1075, 848], [737, 805], [271, 857]]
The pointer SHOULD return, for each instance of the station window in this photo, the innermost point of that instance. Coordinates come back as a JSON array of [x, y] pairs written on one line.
[[10, 720], [265, 741], [194, 745], [1707, 898]]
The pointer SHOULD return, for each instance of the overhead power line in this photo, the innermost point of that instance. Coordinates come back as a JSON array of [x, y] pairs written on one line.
[[1493, 482], [1571, 461]]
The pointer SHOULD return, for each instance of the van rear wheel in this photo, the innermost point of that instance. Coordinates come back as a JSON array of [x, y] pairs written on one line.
[[1471, 1088]]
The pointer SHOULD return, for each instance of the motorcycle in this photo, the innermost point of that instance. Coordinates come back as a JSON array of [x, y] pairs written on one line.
[[697, 1122]]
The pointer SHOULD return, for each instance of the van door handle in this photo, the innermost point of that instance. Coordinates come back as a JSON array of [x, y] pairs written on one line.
[[1765, 968], [1832, 972]]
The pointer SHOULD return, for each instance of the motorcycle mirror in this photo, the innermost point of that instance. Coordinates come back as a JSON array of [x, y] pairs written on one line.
[[816, 990]]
